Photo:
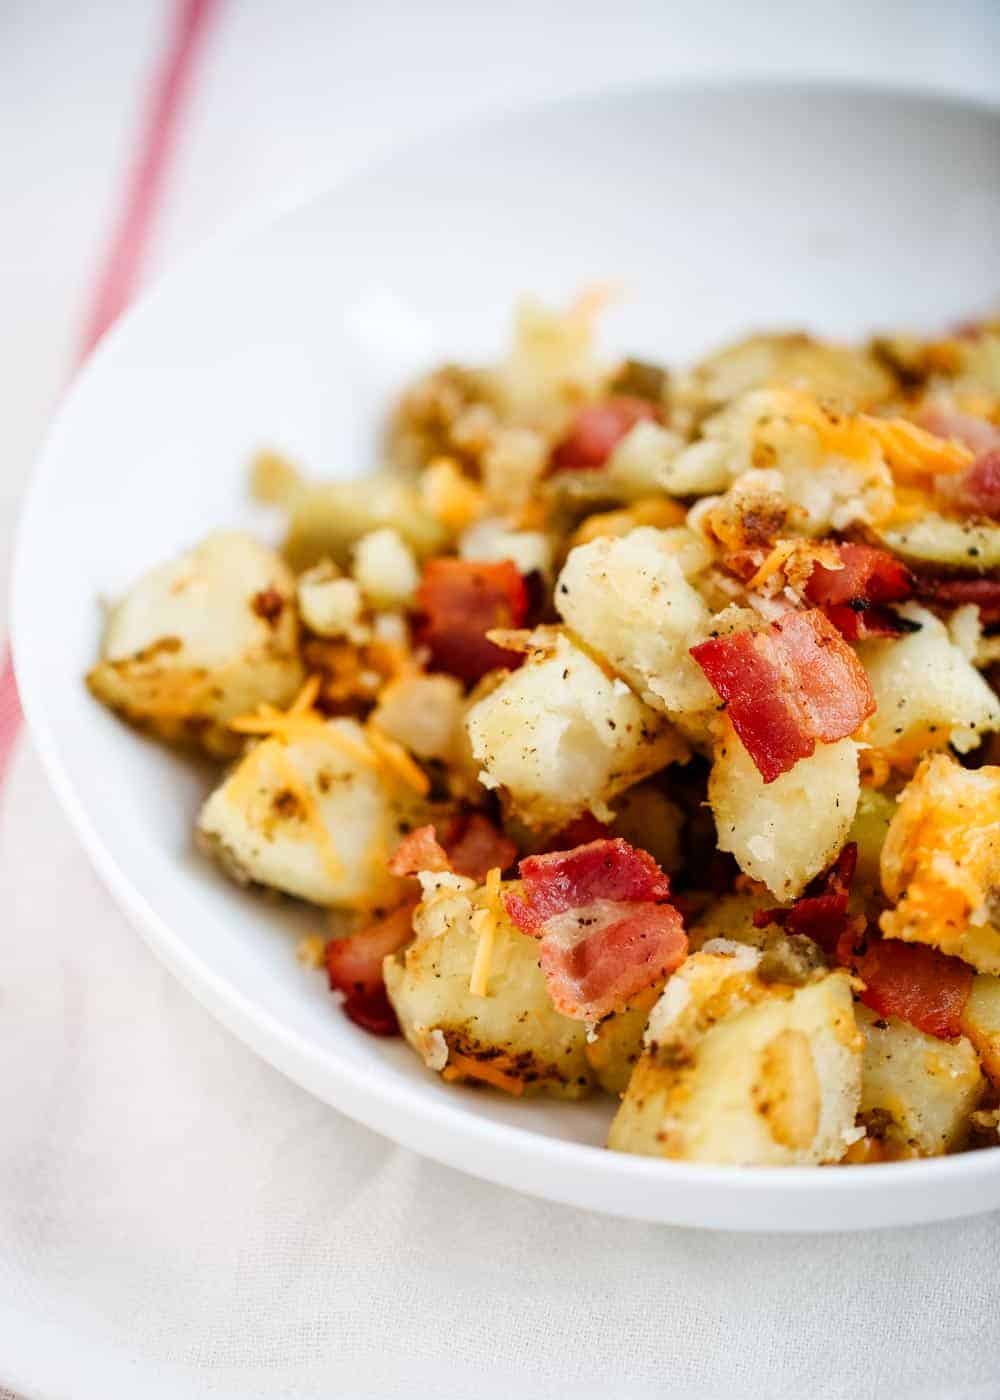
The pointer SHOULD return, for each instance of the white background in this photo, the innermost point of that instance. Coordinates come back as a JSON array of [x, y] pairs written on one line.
[[174, 1218]]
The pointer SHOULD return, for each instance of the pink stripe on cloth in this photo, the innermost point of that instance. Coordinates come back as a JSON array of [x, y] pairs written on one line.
[[129, 242]]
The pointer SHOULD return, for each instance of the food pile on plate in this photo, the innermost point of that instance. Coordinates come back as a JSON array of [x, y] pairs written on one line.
[[637, 730]]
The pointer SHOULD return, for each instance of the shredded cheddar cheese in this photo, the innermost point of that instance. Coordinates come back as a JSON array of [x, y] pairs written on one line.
[[395, 758], [484, 923], [465, 1067]]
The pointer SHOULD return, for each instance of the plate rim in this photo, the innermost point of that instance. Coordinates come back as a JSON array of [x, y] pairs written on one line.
[[362, 1092]]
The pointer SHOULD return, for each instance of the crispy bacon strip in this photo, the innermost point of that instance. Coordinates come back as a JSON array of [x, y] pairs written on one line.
[[460, 601], [977, 490], [854, 597], [354, 967], [909, 980], [597, 430], [954, 592], [821, 913], [469, 845], [606, 933], [912, 981], [475, 846], [786, 687]]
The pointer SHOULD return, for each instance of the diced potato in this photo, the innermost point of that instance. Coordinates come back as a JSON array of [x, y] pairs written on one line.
[[854, 378], [616, 1043], [934, 539], [647, 818], [552, 358], [981, 1022], [628, 599], [200, 640], [741, 1070], [331, 606], [926, 692], [493, 541], [315, 813], [868, 830], [785, 832], [941, 862], [560, 737], [916, 1091], [385, 568], [424, 714], [328, 518], [513, 1037], [789, 958]]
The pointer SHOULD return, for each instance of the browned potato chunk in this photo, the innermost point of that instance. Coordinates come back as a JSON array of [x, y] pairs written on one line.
[[200, 640]]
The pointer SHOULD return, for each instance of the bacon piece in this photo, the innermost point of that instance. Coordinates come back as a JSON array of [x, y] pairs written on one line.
[[977, 490], [354, 967], [597, 430], [854, 597], [611, 870], [787, 686], [821, 913], [605, 932], [955, 592], [475, 846], [606, 964], [421, 850], [463, 599], [944, 422], [912, 981]]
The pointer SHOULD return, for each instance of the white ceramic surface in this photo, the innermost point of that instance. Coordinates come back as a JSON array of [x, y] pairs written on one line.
[[721, 210]]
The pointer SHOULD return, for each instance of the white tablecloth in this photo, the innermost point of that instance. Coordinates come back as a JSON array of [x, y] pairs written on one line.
[[177, 1220]]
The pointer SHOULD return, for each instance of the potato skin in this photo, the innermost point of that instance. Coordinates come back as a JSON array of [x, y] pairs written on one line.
[[513, 1036], [917, 1092], [199, 640], [738, 1070]]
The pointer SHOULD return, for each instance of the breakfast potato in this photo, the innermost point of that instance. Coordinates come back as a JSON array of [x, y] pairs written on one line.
[[616, 1043], [200, 640], [934, 539], [853, 377], [628, 599], [916, 1091], [424, 714], [314, 812], [868, 831], [941, 862], [511, 1037], [927, 693], [560, 737], [646, 818], [327, 519], [784, 832], [737, 1069], [981, 1022]]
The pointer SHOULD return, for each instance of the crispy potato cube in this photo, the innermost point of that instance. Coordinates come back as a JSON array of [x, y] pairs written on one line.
[[941, 862], [628, 599], [927, 693], [200, 640], [853, 378], [869, 829], [741, 1070], [386, 569], [331, 605], [424, 714], [785, 832], [561, 737], [981, 1022], [934, 539], [513, 1037], [327, 519], [647, 818], [916, 1091], [616, 1043], [314, 813]]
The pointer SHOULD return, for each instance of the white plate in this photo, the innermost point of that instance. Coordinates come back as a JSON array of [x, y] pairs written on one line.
[[719, 211]]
